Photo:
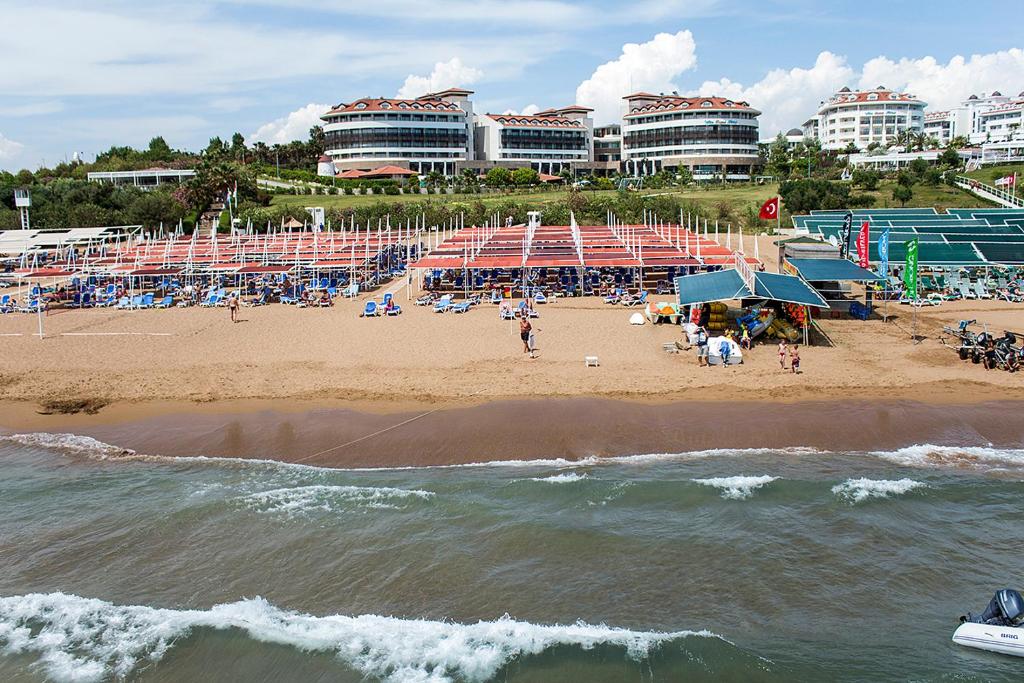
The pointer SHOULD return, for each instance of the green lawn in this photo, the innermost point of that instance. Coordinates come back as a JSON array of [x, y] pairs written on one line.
[[731, 200], [940, 196], [988, 174], [352, 200]]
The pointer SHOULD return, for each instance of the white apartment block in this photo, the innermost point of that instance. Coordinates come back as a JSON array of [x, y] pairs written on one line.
[[548, 141], [864, 117], [971, 120], [712, 137]]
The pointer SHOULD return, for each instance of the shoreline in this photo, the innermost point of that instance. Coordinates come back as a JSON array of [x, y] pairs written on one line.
[[400, 435]]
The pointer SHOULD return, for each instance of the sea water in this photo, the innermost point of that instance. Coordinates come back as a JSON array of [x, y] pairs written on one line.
[[739, 565]]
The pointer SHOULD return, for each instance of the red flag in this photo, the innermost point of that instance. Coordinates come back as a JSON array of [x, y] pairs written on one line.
[[770, 209], [862, 245]]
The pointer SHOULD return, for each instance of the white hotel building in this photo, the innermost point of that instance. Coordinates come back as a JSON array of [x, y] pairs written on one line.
[[864, 117], [980, 119], [547, 141], [712, 137], [430, 133]]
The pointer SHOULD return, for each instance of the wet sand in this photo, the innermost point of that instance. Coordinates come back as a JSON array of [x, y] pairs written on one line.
[[529, 429]]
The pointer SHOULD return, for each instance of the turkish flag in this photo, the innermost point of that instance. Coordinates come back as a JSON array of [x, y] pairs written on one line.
[[770, 209], [863, 239]]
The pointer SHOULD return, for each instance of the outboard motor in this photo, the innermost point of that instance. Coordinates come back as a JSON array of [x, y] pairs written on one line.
[[1005, 609]]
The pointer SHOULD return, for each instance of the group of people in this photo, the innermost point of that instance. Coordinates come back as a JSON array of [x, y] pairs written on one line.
[[794, 356]]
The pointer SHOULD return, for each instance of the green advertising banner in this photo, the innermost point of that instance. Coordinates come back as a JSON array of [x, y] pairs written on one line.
[[910, 272]]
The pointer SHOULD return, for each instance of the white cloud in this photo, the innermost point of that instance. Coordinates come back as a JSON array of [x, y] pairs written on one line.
[[645, 66], [128, 53], [790, 97], [450, 74], [945, 85], [31, 109], [294, 126], [528, 110], [786, 98], [9, 149]]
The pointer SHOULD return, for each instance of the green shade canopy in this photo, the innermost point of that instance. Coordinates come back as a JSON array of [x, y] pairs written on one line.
[[727, 285], [831, 270]]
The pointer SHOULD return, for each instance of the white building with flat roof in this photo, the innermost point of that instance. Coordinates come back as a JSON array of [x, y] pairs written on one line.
[[433, 132], [712, 137], [864, 117], [146, 179], [548, 141], [969, 119]]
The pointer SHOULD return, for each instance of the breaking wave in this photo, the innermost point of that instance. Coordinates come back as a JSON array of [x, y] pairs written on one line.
[[85, 639], [923, 455], [564, 478], [736, 488], [928, 455], [859, 490], [332, 498]]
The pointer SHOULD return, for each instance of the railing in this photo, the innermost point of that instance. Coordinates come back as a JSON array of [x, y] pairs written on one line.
[[998, 195]]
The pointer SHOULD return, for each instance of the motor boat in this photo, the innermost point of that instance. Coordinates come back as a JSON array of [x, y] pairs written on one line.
[[1000, 628]]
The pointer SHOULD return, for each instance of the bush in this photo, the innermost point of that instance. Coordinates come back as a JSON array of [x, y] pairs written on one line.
[[391, 190]]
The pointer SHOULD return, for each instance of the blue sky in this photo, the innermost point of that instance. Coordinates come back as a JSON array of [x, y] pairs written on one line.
[[82, 77]]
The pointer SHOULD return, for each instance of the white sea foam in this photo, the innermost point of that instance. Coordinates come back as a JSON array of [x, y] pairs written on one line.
[[928, 455], [859, 490], [925, 455], [72, 443], [736, 488], [564, 478], [333, 498], [83, 640]]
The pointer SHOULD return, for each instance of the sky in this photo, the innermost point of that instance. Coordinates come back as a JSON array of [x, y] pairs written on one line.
[[80, 77]]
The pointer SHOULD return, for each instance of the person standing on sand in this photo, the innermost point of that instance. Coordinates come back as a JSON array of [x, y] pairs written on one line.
[[702, 347], [525, 330], [782, 354], [233, 306], [531, 341], [794, 359]]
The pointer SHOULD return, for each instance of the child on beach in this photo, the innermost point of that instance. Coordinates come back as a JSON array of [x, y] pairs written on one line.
[[745, 339], [794, 360], [782, 354], [702, 347]]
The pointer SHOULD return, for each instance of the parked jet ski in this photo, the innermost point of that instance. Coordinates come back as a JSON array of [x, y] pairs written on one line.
[[1000, 628]]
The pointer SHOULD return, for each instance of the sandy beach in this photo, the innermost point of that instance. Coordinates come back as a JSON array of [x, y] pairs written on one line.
[[281, 352]]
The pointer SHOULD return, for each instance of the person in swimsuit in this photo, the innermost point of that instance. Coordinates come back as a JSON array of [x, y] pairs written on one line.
[[233, 307], [524, 332], [782, 354], [794, 359]]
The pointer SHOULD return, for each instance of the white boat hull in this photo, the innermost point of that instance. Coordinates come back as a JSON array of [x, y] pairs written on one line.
[[1002, 639]]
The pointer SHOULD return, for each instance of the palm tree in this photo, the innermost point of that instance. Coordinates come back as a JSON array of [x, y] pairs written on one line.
[[958, 142]]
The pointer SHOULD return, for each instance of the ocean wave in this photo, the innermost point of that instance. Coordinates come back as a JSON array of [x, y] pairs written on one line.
[[88, 446], [70, 443], [923, 455], [84, 639], [564, 478], [929, 455], [332, 498], [736, 488], [859, 490]]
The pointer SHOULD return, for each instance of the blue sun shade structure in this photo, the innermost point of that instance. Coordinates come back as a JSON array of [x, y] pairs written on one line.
[[788, 288], [831, 270], [722, 285], [726, 285]]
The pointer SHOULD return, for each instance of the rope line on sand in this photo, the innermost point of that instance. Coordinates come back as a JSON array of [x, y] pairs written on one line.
[[376, 433]]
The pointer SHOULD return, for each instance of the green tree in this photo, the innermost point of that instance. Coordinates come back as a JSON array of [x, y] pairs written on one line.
[[902, 193], [498, 177], [950, 157], [918, 167], [866, 179], [216, 149], [851, 148], [159, 150], [523, 177]]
